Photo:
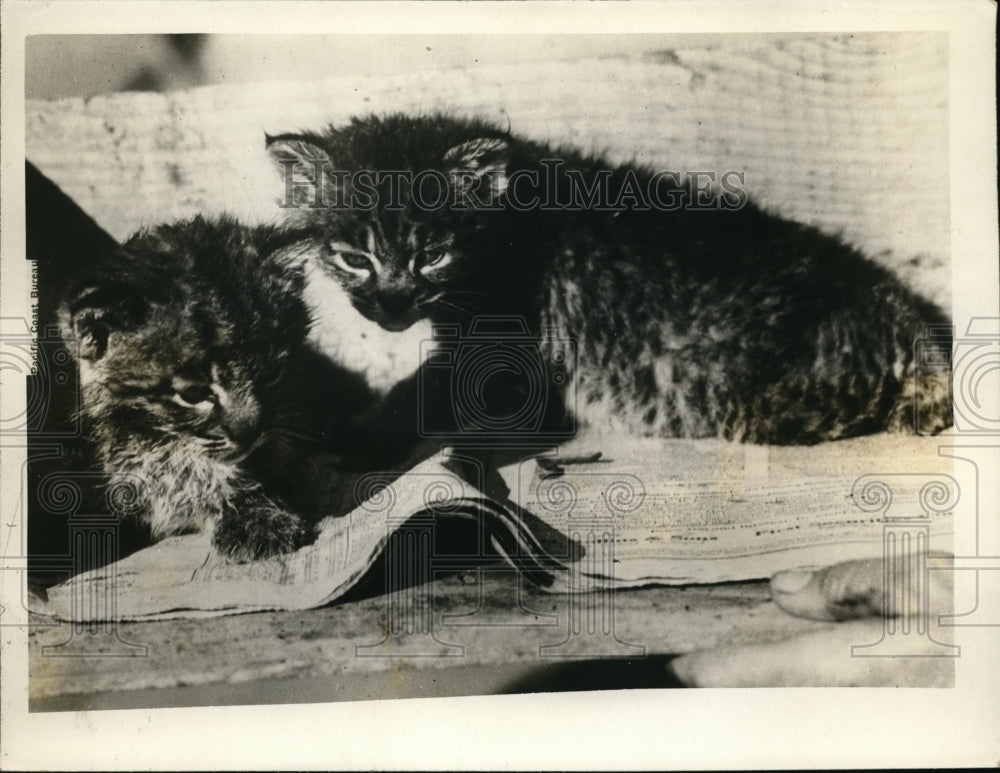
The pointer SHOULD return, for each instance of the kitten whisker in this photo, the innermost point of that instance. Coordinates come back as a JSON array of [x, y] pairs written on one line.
[[423, 304], [474, 294], [289, 434], [465, 310]]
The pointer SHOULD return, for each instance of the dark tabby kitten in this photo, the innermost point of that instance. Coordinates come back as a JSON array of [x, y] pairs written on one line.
[[192, 346], [691, 317]]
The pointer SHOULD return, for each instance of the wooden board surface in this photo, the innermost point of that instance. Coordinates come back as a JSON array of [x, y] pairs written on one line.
[[491, 635]]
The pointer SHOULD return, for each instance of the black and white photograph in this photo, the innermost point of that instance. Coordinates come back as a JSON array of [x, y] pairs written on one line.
[[506, 379]]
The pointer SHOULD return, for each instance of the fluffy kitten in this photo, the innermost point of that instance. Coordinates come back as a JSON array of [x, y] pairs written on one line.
[[691, 317], [191, 341]]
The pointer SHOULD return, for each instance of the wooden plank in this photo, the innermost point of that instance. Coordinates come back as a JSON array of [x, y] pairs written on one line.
[[491, 636]]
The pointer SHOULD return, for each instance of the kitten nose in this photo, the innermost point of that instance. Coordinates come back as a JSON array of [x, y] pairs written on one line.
[[395, 302], [243, 423]]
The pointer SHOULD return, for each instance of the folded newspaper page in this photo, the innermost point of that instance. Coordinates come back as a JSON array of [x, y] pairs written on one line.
[[591, 514], [185, 577], [676, 512]]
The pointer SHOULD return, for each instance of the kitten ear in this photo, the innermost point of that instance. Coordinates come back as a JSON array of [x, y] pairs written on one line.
[[483, 157], [91, 333], [296, 148], [95, 313], [302, 163]]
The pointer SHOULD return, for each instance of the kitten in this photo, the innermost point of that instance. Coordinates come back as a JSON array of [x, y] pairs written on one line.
[[690, 317], [191, 342]]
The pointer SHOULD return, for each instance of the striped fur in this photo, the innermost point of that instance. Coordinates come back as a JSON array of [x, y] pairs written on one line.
[[181, 337], [726, 321]]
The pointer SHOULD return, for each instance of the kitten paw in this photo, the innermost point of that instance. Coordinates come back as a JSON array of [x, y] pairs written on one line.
[[260, 531]]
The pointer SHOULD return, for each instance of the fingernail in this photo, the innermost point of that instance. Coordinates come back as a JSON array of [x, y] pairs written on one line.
[[790, 582], [680, 669]]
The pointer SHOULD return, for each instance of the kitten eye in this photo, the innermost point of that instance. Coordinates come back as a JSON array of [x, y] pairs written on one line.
[[272, 374], [435, 260], [354, 260], [195, 396], [350, 260]]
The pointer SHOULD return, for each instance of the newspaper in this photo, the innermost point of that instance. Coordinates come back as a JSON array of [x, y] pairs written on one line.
[[592, 514], [677, 512]]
